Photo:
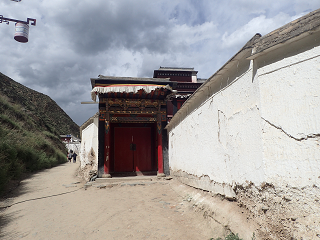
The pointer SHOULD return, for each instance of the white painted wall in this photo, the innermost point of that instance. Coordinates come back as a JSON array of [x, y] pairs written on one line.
[[263, 126], [89, 145], [194, 78], [290, 113], [221, 139]]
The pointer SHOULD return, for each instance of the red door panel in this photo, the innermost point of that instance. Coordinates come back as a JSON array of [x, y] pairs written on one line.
[[123, 156], [126, 159], [142, 155]]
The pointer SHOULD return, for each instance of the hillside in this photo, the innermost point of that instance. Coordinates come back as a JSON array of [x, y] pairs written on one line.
[[30, 125], [40, 106]]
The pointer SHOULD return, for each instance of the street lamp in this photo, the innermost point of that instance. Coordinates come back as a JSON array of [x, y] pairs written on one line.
[[22, 28]]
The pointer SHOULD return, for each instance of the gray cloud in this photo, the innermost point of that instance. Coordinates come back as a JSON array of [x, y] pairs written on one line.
[[76, 40], [95, 28]]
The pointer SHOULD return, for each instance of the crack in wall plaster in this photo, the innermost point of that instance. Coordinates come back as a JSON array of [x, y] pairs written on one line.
[[306, 137], [222, 129], [219, 127]]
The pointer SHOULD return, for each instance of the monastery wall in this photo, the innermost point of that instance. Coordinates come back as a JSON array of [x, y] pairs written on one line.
[[257, 140], [287, 205], [89, 145], [223, 142], [290, 113]]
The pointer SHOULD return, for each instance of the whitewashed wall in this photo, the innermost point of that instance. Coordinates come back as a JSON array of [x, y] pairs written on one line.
[[89, 145], [221, 139], [264, 126], [290, 113]]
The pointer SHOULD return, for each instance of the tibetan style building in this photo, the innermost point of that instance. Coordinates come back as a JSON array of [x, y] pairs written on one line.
[[187, 83], [132, 117], [133, 113]]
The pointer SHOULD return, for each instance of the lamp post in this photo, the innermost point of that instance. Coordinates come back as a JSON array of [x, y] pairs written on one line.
[[22, 27]]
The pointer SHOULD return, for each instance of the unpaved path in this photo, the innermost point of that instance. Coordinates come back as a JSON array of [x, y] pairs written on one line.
[[53, 205]]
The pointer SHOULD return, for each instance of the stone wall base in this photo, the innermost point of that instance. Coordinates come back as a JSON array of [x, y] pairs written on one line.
[[279, 212], [205, 183]]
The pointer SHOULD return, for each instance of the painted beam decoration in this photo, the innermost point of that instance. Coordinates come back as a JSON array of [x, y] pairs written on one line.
[[124, 90], [131, 103], [132, 110]]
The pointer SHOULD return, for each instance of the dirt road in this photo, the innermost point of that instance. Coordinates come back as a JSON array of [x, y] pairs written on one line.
[[53, 205]]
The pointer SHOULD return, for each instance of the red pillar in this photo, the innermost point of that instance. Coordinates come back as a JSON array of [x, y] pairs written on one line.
[[106, 173], [160, 154]]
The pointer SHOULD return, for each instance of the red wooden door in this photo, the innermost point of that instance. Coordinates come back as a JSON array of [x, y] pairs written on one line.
[[142, 154], [123, 157], [132, 149]]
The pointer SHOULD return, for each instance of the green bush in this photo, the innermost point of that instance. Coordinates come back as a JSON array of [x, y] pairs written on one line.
[[4, 167], [61, 157], [24, 145], [29, 157], [7, 121], [231, 236], [18, 156]]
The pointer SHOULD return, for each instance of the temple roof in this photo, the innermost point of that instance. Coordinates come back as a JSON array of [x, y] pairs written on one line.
[[173, 69], [129, 80], [176, 69], [108, 84]]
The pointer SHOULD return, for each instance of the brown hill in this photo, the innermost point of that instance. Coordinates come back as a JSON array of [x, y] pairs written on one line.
[[41, 107]]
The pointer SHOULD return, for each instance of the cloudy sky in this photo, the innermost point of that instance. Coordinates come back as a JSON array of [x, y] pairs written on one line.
[[75, 40]]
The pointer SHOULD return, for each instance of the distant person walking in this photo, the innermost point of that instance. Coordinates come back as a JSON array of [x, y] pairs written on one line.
[[74, 157], [70, 154]]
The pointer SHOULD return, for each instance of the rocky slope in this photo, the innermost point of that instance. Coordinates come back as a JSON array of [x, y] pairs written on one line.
[[40, 106], [30, 125]]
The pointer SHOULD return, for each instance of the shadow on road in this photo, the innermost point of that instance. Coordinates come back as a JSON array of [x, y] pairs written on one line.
[[15, 189]]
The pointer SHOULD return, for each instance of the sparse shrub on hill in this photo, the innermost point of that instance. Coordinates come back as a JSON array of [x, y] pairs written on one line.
[[41, 109], [27, 143]]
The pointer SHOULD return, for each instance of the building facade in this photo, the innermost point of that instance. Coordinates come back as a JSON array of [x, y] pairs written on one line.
[[89, 143], [132, 117], [71, 142]]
